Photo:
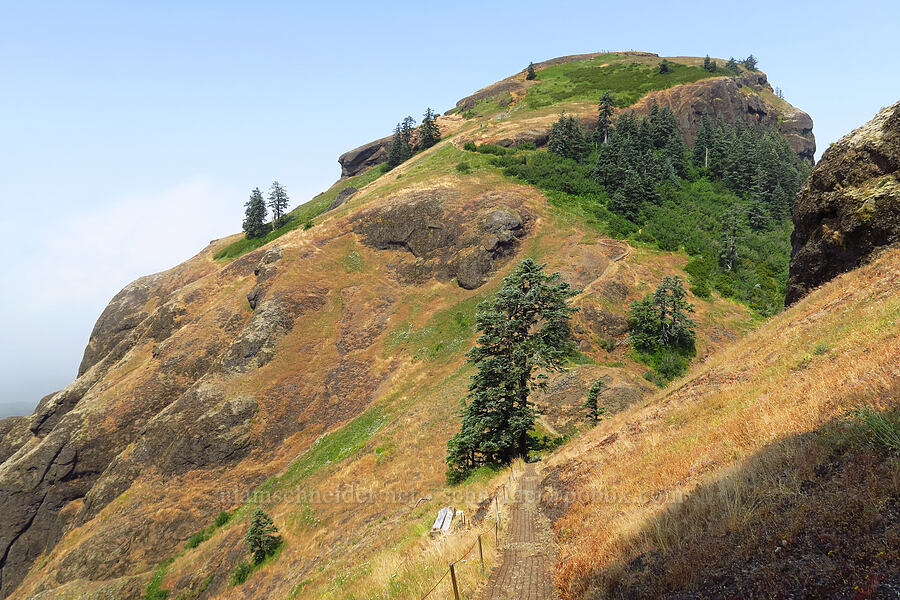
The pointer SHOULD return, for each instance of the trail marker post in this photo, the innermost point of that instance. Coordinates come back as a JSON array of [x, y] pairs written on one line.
[[453, 580], [480, 553]]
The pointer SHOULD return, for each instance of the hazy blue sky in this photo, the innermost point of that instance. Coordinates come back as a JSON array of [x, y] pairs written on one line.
[[131, 135]]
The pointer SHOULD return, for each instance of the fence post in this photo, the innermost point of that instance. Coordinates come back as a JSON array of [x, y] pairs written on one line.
[[480, 553], [453, 579], [496, 526]]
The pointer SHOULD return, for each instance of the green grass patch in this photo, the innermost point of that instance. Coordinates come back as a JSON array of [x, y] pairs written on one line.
[[879, 428], [154, 589], [586, 80], [328, 449], [353, 262], [302, 216], [666, 364], [446, 333]]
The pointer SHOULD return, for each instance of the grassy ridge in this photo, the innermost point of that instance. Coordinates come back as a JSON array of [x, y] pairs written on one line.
[[586, 80], [300, 216]]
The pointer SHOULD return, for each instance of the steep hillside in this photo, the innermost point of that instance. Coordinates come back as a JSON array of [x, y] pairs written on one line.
[[769, 472], [772, 470], [317, 375]]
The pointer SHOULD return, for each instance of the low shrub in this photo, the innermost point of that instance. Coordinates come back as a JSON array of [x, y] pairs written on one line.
[[240, 573], [222, 518]]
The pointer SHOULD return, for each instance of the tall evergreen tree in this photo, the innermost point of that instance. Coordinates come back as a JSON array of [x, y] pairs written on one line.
[[728, 244], [529, 72], [757, 217], [664, 67], [732, 66], [429, 132], [261, 536], [750, 63], [704, 141], [278, 202], [709, 64], [255, 215], [525, 329], [605, 111]]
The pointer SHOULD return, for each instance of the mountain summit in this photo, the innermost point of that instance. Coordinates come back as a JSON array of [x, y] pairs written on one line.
[[316, 373]]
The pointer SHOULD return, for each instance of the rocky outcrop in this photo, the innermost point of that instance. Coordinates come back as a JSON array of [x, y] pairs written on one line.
[[441, 240], [342, 196], [748, 98], [368, 155], [849, 207]]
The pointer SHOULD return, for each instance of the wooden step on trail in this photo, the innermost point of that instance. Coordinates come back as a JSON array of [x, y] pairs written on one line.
[[528, 555]]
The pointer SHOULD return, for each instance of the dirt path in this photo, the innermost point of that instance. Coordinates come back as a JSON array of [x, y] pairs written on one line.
[[526, 570], [624, 252]]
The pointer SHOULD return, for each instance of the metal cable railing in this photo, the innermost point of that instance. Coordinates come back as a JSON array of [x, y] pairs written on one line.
[[477, 541]]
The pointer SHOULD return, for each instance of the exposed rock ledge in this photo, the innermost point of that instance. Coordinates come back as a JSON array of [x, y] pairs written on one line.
[[849, 207]]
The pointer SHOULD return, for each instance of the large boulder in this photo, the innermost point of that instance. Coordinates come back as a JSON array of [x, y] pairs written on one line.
[[849, 207], [368, 155]]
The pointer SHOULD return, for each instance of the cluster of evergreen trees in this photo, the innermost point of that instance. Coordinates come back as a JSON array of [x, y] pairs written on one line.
[[726, 202], [636, 156], [403, 146], [662, 333], [255, 224], [752, 162], [730, 66]]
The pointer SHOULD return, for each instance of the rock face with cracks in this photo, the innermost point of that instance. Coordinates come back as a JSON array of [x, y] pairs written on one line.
[[437, 240], [849, 207]]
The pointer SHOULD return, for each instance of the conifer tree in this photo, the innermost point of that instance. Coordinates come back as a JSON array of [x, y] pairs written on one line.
[[255, 215], [592, 404], [529, 72], [429, 132], [568, 139], [750, 63], [664, 67], [728, 256], [524, 329], [757, 217], [605, 111], [278, 203], [703, 142], [401, 146], [732, 66], [660, 321], [261, 536]]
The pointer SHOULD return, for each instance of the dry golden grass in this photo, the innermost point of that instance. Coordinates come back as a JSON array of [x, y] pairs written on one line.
[[369, 545], [723, 435]]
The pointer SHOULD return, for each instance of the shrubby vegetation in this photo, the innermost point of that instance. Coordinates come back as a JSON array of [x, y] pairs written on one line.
[[727, 202], [204, 534]]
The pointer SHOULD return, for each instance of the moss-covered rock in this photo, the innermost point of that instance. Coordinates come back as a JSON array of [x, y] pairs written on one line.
[[850, 206]]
